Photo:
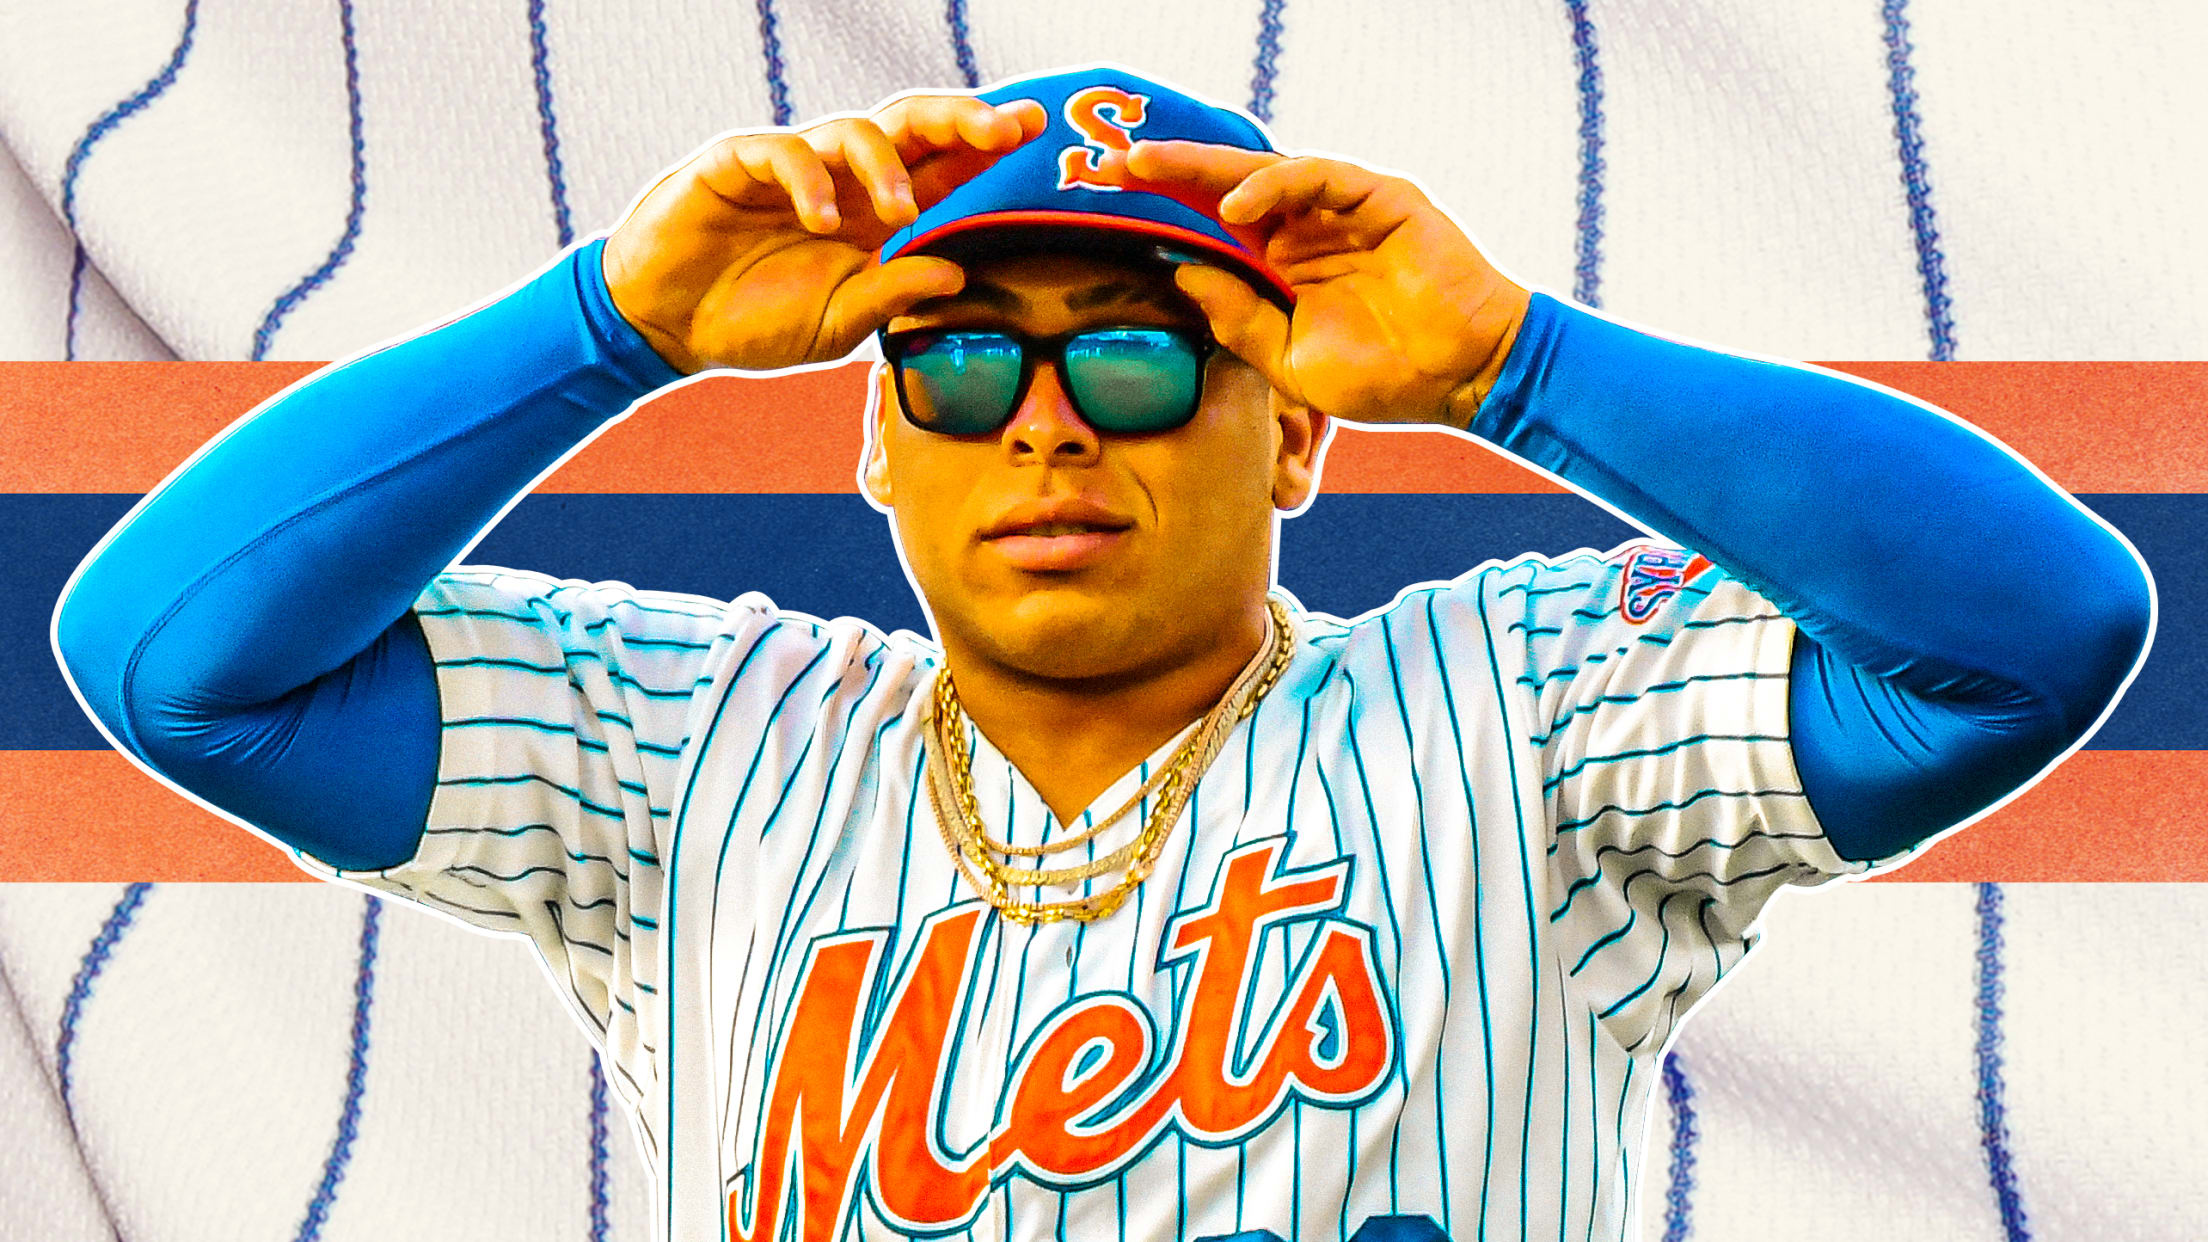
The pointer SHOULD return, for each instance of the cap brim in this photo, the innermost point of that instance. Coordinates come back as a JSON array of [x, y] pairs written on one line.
[[1009, 233]]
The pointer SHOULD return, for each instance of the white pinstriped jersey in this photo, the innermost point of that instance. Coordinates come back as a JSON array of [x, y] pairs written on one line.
[[1411, 954]]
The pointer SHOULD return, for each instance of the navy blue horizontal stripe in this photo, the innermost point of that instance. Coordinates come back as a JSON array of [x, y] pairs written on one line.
[[1348, 554]]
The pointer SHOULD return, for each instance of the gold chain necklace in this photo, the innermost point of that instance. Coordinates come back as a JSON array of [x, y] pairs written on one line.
[[958, 811]]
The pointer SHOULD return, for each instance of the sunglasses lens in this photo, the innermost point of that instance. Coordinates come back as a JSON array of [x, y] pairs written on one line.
[[1133, 380], [960, 383]]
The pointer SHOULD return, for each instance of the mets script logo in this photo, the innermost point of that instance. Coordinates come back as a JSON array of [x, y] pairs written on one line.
[[1653, 575], [850, 1113], [1106, 118]]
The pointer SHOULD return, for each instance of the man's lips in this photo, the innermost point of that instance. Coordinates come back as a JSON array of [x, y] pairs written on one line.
[[1056, 535]]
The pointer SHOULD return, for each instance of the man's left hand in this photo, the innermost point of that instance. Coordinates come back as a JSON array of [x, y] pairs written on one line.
[[1399, 318]]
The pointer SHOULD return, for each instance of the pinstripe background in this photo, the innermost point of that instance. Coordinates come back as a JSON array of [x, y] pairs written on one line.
[[1843, 178]]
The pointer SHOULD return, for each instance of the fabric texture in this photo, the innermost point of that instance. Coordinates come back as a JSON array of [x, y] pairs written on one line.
[[1725, 171]]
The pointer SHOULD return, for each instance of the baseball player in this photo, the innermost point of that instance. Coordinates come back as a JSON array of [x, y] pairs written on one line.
[[1138, 903]]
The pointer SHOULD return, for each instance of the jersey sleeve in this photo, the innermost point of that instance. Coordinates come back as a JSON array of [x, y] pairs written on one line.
[[1653, 688], [566, 712]]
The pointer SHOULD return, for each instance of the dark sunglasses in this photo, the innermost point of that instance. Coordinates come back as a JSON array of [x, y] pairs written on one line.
[[1127, 380]]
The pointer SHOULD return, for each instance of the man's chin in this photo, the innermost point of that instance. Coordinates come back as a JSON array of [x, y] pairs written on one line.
[[1070, 631]]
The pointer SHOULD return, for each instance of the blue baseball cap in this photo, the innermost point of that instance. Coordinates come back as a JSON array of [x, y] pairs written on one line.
[[1053, 194]]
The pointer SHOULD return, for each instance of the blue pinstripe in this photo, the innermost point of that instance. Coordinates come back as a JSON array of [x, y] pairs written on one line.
[[614, 675], [674, 852], [541, 72], [796, 915], [289, 299], [117, 922], [1019, 997], [1587, 272], [1666, 748], [1992, 1108], [1525, 875], [736, 811], [531, 778], [1395, 926], [1663, 1024], [1564, 1110], [1267, 64], [1625, 1166], [770, 45], [1581, 884], [1679, 1198], [1334, 822], [1479, 931], [962, 43], [356, 1079], [1574, 825], [1441, 953], [1195, 815], [100, 128], [562, 727], [1288, 821], [1594, 1119], [1916, 180], [1664, 687], [599, 1202], [1663, 949]]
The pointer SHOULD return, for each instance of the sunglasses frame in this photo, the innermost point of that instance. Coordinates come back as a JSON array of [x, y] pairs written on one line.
[[1036, 350]]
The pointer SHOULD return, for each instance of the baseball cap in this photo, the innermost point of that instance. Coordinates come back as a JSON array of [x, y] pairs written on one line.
[[1053, 194]]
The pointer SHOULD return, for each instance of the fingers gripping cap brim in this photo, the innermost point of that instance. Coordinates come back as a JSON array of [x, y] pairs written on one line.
[[1058, 187], [1010, 234]]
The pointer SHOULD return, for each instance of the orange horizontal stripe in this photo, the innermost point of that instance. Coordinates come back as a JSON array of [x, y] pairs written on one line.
[[122, 426], [2104, 816], [98, 818]]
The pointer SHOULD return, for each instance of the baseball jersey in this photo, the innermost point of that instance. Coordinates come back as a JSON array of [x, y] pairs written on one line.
[[1428, 919]]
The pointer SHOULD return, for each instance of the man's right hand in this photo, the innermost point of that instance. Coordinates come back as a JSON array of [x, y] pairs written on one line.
[[760, 252]]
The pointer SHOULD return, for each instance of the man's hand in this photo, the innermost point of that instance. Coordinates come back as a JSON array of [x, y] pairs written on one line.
[[1398, 317], [760, 252]]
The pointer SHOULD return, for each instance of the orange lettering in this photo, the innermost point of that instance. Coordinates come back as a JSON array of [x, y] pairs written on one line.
[[1084, 165], [1247, 900], [1343, 975], [833, 1106], [1054, 1094], [819, 1111]]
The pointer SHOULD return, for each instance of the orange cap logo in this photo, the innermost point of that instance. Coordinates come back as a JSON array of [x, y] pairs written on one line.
[[1105, 117]]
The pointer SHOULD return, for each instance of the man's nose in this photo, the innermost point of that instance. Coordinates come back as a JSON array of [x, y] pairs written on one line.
[[1046, 428]]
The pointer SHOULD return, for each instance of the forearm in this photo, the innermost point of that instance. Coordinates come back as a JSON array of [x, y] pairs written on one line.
[[1948, 598], [219, 625]]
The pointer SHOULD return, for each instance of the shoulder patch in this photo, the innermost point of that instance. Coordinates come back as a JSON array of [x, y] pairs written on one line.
[[1653, 575]]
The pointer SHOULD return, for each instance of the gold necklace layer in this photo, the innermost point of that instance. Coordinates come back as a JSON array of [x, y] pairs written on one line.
[[980, 856]]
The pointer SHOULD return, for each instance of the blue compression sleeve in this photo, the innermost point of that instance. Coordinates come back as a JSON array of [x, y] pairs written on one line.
[[1961, 622], [247, 631]]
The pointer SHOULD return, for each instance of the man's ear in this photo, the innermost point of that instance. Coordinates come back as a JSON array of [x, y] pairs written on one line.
[[881, 406], [1304, 434]]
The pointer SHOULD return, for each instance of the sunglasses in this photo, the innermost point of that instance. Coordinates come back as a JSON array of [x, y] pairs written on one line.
[[1128, 380]]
